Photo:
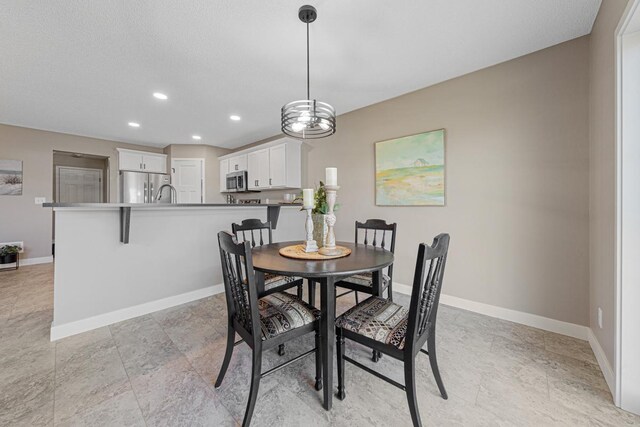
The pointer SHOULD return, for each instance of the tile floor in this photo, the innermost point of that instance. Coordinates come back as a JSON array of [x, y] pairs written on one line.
[[159, 369]]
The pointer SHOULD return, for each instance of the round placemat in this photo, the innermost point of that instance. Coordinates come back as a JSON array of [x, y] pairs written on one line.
[[297, 252]]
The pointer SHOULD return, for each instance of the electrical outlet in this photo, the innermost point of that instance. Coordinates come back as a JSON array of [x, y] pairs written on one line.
[[600, 317], [41, 200]]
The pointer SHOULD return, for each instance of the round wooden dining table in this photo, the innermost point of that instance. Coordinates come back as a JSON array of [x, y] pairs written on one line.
[[363, 259]]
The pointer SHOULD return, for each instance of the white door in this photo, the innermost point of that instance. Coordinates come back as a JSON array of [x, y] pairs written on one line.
[[187, 176], [278, 166], [78, 185]]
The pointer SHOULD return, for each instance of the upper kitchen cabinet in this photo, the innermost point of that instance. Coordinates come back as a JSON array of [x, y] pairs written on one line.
[[258, 170], [285, 165], [238, 163], [272, 165], [224, 170], [141, 161]]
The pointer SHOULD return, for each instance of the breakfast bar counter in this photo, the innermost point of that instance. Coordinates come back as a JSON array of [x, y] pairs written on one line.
[[115, 261]]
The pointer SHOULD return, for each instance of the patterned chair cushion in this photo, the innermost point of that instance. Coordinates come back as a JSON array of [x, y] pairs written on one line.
[[274, 281], [366, 279], [378, 319], [281, 312]]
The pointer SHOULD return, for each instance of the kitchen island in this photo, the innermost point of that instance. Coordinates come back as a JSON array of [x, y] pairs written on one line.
[[115, 261]]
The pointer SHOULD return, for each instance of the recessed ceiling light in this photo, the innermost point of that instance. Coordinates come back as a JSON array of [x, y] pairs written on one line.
[[234, 118], [196, 137], [134, 124], [159, 95]]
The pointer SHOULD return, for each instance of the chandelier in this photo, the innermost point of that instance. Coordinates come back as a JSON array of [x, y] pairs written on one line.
[[308, 118]]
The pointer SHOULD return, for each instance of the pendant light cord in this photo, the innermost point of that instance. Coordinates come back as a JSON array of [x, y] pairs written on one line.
[[308, 96]]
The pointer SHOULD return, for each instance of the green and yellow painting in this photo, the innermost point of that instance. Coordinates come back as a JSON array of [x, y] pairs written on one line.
[[410, 170]]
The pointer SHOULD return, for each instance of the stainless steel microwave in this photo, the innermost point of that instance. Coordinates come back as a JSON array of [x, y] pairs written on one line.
[[237, 182]]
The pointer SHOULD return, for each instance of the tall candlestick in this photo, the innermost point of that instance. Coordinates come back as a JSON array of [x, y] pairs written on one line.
[[331, 176], [329, 247], [307, 197], [309, 245]]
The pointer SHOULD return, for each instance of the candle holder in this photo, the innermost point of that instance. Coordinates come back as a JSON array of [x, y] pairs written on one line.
[[309, 245], [329, 247]]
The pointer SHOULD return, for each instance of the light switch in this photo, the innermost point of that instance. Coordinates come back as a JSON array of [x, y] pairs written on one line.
[[41, 200]]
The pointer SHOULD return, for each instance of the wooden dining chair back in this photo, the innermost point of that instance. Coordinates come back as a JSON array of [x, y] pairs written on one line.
[[253, 231], [259, 233], [239, 285], [262, 322], [401, 333], [379, 234]]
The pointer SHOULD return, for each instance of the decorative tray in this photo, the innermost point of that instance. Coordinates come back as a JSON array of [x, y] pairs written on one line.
[[297, 252]]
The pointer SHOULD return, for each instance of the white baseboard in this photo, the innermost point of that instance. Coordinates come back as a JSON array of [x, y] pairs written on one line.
[[84, 325], [533, 320], [605, 367], [528, 319]]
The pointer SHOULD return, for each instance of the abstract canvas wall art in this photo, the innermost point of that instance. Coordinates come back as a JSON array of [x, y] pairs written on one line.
[[10, 177], [410, 171]]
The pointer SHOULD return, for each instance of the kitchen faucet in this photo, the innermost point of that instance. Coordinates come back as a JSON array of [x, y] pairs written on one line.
[[174, 194]]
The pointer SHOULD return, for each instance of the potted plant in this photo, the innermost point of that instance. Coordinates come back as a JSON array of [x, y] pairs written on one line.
[[9, 254], [319, 213]]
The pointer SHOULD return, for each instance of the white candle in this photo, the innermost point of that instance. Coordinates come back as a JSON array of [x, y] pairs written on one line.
[[331, 176], [307, 197]]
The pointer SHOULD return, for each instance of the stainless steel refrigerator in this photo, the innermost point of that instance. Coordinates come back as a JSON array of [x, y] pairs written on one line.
[[142, 187]]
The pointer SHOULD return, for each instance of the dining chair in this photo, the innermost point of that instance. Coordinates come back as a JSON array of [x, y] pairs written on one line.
[[400, 333], [262, 322], [259, 233], [376, 233]]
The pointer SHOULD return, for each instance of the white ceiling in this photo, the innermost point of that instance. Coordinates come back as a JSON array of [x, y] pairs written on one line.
[[89, 67]]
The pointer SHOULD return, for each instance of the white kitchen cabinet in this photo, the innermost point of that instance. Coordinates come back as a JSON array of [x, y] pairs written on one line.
[[238, 163], [141, 161], [130, 160], [224, 170], [156, 163], [258, 170], [273, 165], [278, 166]]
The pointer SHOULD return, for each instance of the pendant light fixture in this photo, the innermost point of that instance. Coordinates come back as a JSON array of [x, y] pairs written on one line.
[[308, 118]]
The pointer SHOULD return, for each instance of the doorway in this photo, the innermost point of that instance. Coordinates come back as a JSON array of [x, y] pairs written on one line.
[[80, 178], [627, 394], [187, 176], [78, 185]]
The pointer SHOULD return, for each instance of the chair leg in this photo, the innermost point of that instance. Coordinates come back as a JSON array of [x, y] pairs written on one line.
[[357, 299], [431, 348], [390, 292], [410, 384], [318, 360], [231, 335], [312, 292], [299, 293], [340, 354], [281, 351], [255, 384]]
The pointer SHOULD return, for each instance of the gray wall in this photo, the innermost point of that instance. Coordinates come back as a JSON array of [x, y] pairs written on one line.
[[602, 177], [20, 217], [517, 209]]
